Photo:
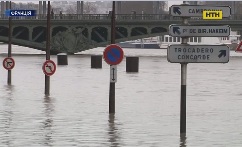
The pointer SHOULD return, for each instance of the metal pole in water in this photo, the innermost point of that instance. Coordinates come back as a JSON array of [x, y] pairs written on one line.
[[9, 44], [183, 98], [47, 78], [183, 87], [112, 85]]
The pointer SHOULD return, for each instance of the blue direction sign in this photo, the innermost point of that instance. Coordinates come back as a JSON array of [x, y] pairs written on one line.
[[113, 54]]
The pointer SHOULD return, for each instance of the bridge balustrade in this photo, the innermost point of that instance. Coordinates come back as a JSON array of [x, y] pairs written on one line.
[[123, 17]]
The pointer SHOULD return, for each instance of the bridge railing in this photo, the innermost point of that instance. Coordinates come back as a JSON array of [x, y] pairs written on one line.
[[97, 17], [128, 17], [62, 16]]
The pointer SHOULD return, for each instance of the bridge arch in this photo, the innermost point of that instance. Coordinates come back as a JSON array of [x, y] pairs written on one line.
[[21, 32], [39, 34], [3, 31], [121, 32], [99, 34], [158, 30], [92, 36], [82, 30], [136, 31], [57, 29]]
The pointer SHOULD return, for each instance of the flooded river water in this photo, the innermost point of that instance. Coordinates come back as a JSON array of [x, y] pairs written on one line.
[[147, 103]]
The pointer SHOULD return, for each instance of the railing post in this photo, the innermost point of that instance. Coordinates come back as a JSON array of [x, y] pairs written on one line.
[[2, 9], [142, 15], [78, 7], [40, 8]]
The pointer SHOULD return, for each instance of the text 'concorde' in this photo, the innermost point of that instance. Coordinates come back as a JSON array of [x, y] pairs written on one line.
[[198, 53]]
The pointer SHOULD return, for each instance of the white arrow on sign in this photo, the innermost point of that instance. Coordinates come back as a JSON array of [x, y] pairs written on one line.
[[199, 31], [197, 10], [182, 53], [113, 73]]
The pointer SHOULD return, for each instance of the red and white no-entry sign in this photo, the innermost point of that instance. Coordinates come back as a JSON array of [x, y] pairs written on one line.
[[8, 63], [49, 67]]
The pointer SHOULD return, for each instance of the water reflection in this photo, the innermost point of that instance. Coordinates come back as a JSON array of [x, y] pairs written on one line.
[[8, 114], [113, 131], [48, 123], [183, 139], [9, 90]]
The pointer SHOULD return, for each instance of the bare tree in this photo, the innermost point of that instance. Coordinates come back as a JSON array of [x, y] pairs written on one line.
[[89, 8], [163, 6], [71, 9]]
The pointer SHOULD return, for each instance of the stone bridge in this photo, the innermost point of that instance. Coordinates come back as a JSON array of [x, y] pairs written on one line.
[[75, 33]]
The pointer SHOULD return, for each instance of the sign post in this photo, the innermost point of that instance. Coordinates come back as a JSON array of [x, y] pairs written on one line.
[[184, 41], [11, 13], [113, 55], [185, 53], [9, 45], [47, 77]]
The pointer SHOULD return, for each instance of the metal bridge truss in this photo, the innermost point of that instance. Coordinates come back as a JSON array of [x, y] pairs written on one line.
[[76, 37]]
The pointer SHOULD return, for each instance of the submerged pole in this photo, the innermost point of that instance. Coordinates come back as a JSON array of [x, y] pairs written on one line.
[[47, 78], [112, 85], [9, 44], [183, 85]]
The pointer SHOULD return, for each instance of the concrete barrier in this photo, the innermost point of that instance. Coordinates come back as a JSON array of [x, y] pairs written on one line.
[[62, 59], [96, 61], [132, 64]]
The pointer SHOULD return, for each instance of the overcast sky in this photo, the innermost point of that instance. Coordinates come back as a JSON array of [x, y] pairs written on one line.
[[174, 2]]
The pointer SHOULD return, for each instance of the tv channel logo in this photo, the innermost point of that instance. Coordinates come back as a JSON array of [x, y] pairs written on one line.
[[20, 12], [213, 14]]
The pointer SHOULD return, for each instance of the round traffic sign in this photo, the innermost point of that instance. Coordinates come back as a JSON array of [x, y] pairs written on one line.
[[8, 63], [49, 67], [113, 54]]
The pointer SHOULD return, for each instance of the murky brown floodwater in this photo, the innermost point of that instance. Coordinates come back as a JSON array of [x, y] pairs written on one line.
[[147, 103]]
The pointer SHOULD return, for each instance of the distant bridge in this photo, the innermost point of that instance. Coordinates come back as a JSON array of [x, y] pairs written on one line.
[[73, 33]]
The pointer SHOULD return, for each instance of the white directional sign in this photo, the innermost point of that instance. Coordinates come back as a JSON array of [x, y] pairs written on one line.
[[113, 73], [197, 10], [198, 53], [199, 31]]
